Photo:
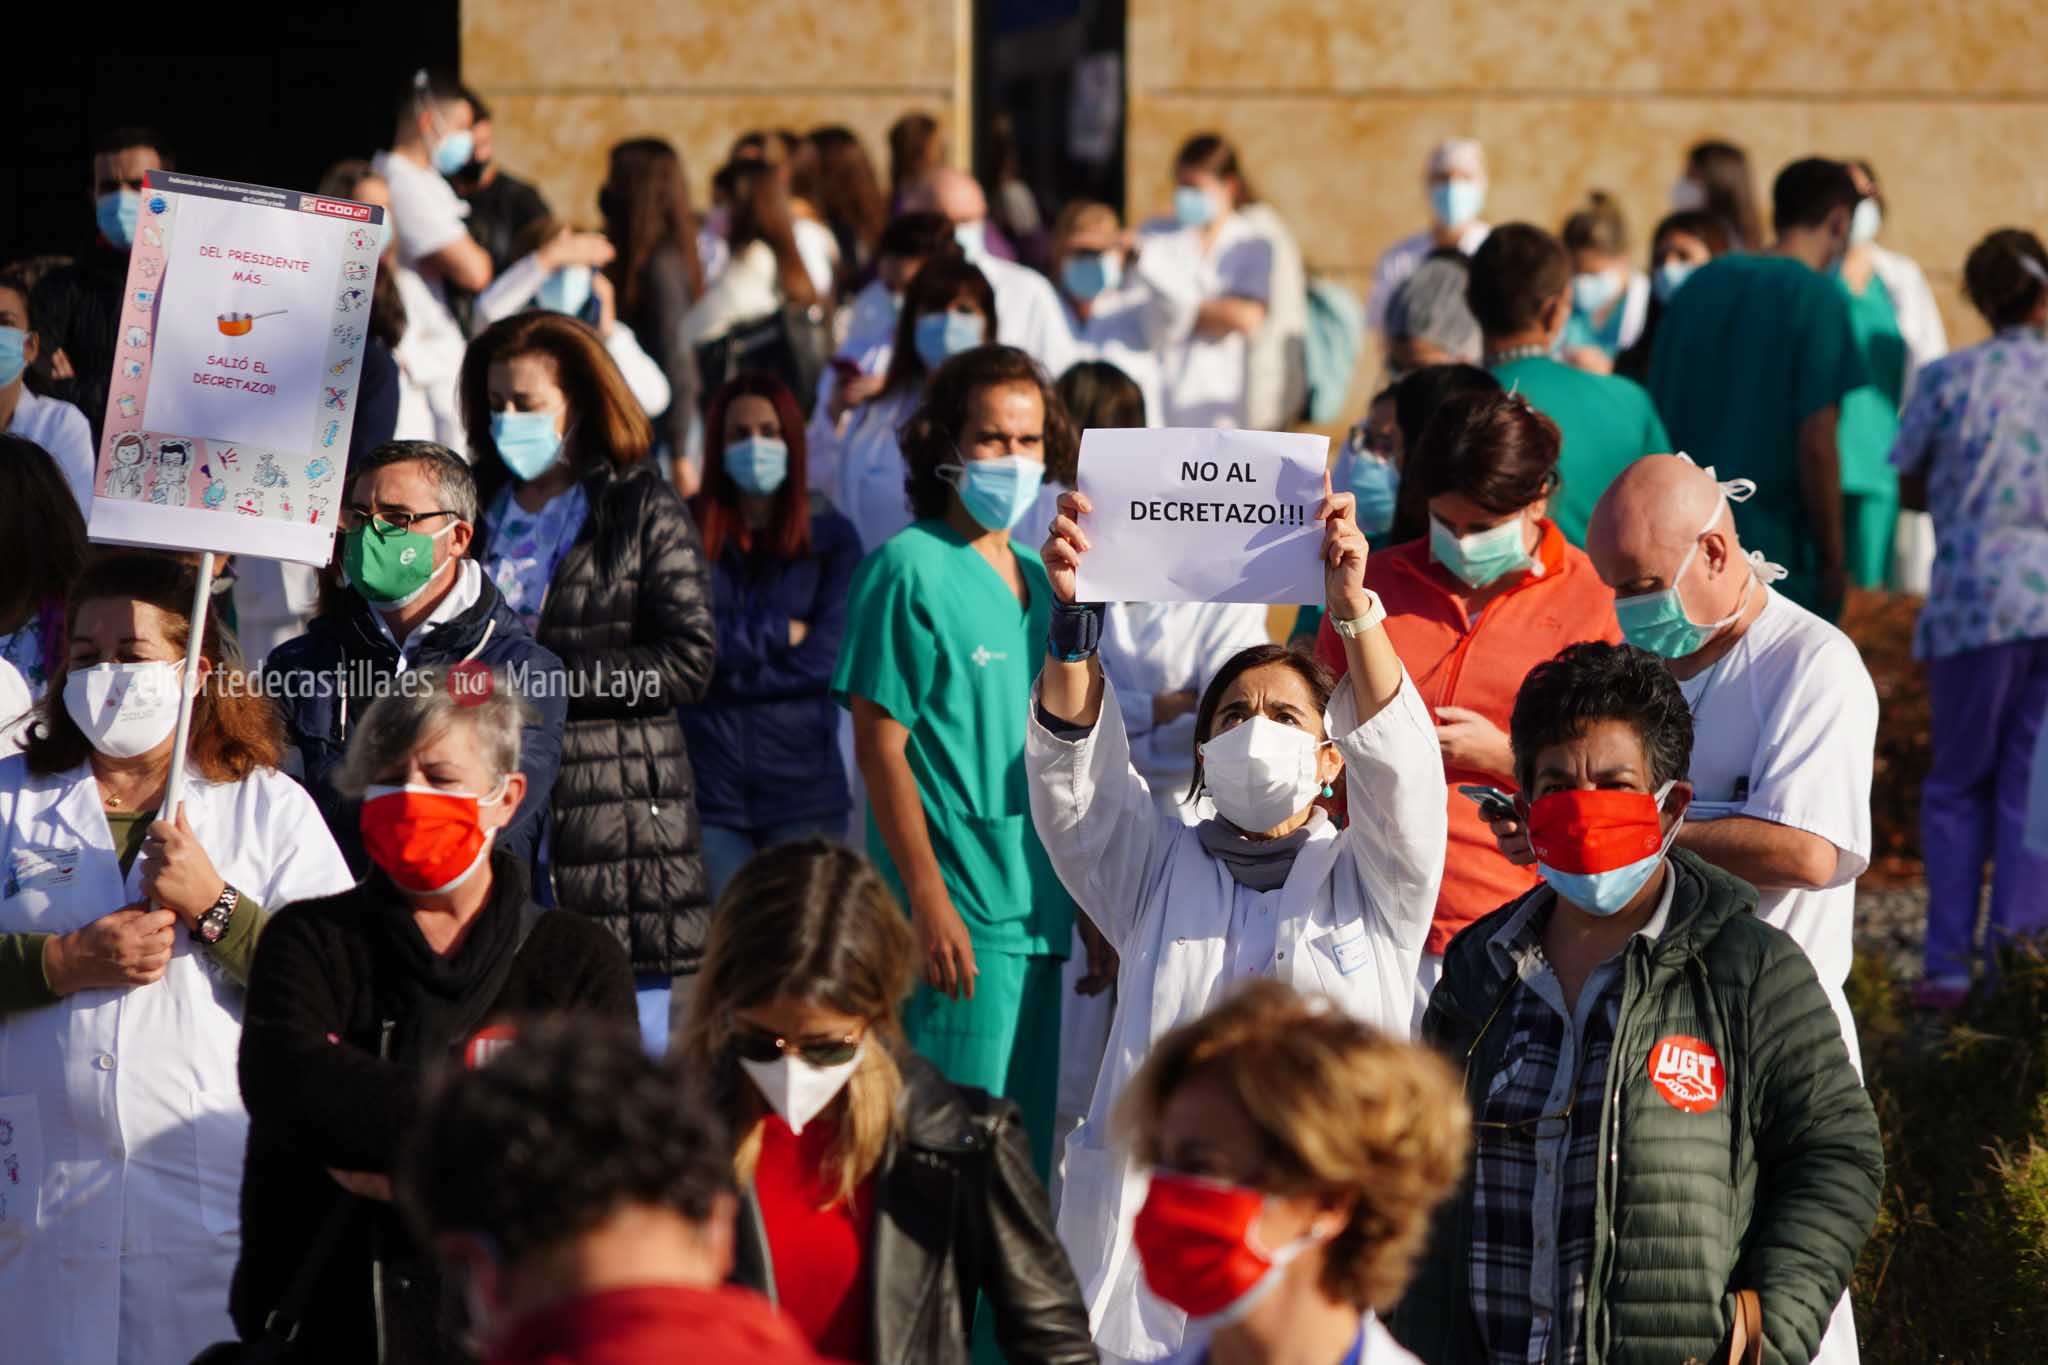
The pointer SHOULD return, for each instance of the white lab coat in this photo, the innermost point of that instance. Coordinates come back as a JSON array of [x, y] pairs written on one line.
[[1118, 331], [1352, 919], [860, 468], [123, 1118], [1154, 647]]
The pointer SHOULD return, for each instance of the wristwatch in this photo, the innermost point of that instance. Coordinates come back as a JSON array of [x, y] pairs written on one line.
[[1375, 612], [213, 925]]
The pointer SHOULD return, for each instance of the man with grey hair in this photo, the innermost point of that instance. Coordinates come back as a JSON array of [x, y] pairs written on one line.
[[411, 600]]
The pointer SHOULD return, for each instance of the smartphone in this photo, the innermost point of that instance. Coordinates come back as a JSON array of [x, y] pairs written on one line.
[[845, 367], [1493, 803]]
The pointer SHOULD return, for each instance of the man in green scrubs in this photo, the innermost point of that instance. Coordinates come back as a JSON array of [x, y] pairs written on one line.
[[946, 629], [1754, 357], [1521, 291]]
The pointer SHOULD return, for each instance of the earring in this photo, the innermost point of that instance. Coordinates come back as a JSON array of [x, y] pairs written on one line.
[[1329, 790]]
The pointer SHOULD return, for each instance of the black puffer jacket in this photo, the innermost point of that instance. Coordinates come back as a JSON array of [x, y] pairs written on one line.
[[629, 615]]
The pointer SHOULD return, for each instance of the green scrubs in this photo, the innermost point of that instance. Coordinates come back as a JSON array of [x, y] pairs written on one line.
[[1608, 423], [937, 639], [1746, 352], [1869, 425]]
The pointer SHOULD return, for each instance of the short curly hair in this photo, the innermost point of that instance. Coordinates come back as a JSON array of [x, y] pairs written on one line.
[[1343, 1109], [548, 1139], [931, 437], [1591, 682]]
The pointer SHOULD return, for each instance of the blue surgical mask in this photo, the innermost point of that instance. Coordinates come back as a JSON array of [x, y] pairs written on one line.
[[1193, 207], [1595, 291], [453, 151], [1482, 557], [1092, 274], [998, 492], [13, 354], [1608, 893], [1456, 202], [759, 464], [1669, 276], [1658, 622], [973, 239], [117, 212], [941, 336], [565, 291], [1376, 484], [527, 442]]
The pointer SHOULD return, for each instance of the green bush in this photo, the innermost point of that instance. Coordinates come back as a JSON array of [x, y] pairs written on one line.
[[1957, 1268]]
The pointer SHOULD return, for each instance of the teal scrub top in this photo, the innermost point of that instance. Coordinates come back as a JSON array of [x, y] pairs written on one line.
[[1870, 414], [937, 639], [1608, 423], [1748, 350]]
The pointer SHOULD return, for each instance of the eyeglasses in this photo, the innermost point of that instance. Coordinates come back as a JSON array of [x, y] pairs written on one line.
[[1364, 439], [759, 1045], [384, 523], [1538, 1127]]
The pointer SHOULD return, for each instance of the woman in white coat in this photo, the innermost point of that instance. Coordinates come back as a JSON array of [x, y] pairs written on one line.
[[1269, 888], [124, 942]]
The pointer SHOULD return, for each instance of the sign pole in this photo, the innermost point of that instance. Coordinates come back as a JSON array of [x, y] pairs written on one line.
[[202, 598]]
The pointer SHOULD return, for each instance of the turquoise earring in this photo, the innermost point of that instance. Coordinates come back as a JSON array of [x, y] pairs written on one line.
[[1329, 790]]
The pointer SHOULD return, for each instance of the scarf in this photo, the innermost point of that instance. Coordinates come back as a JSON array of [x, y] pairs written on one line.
[[437, 1001], [1257, 864]]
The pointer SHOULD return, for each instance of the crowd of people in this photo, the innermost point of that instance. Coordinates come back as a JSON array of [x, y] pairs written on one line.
[[705, 884]]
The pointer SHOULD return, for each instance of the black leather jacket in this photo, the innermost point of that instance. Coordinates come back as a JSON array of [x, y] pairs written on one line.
[[958, 1213]]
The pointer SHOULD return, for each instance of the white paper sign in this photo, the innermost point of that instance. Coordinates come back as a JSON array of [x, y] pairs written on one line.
[[237, 363], [1202, 515]]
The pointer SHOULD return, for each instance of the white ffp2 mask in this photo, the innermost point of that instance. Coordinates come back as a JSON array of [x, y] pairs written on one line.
[[798, 1090], [1260, 772], [124, 710]]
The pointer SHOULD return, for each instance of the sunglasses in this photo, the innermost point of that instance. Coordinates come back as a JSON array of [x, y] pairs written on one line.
[[758, 1045]]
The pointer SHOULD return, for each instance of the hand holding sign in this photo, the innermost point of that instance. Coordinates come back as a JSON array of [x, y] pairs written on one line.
[[1065, 543], [1344, 554]]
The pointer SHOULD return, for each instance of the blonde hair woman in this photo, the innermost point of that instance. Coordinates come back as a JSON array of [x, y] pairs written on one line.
[[1297, 1154], [881, 1200]]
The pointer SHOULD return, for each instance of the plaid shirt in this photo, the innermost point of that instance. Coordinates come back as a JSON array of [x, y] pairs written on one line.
[[1535, 1184]]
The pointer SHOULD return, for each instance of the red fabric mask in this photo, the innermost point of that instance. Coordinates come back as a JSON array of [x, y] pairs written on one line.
[[426, 840], [1194, 1239], [1595, 831]]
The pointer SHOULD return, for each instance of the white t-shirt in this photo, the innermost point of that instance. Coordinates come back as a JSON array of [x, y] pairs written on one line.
[[1784, 729], [1206, 380], [60, 428], [426, 212]]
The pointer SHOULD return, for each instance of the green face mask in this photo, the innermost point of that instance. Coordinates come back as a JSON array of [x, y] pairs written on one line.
[[389, 567]]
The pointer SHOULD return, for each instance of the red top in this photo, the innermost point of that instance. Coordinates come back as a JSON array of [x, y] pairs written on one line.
[[654, 1325], [819, 1254], [1479, 665]]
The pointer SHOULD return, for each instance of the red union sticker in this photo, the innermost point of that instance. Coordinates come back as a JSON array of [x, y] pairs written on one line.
[[1686, 1072], [487, 1044], [337, 209]]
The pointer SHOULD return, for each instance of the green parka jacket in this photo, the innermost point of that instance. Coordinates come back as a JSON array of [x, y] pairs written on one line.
[[1749, 1163]]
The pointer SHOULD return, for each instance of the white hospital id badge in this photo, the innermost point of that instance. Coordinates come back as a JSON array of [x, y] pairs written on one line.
[[1350, 952], [48, 870]]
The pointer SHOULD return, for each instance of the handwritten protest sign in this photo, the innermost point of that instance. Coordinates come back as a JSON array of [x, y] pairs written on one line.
[[1202, 516], [236, 368]]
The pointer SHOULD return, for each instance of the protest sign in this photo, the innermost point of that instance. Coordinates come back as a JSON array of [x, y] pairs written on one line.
[[1202, 516], [237, 363]]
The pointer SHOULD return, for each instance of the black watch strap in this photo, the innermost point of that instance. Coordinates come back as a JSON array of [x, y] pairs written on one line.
[[1076, 631]]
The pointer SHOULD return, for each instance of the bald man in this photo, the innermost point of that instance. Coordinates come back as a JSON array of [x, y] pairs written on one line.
[[1784, 720], [1028, 311]]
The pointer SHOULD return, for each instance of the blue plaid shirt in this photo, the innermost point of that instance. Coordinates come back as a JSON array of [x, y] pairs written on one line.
[[1535, 1181]]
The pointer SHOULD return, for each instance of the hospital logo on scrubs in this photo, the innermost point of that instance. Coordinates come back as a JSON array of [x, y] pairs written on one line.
[[1686, 1072], [487, 1044], [983, 656]]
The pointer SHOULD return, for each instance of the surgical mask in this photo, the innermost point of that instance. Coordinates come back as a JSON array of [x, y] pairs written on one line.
[[1668, 277], [973, 239], [124, 710], [799, 1090], [13, 354], [1193, 207], [1197, 1243], [1261, 773], [453, 151], [1456, 202], [996, 492], [1092, 274], [527, 442], [1657, 621], [940, 336], [1596, 849], [390, 568], [1687, 195], [566, 290], [117, 212], [1596, 291], [1865, 222], [1480, 558], [759, 464], [1376, 484], [428, 841]]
